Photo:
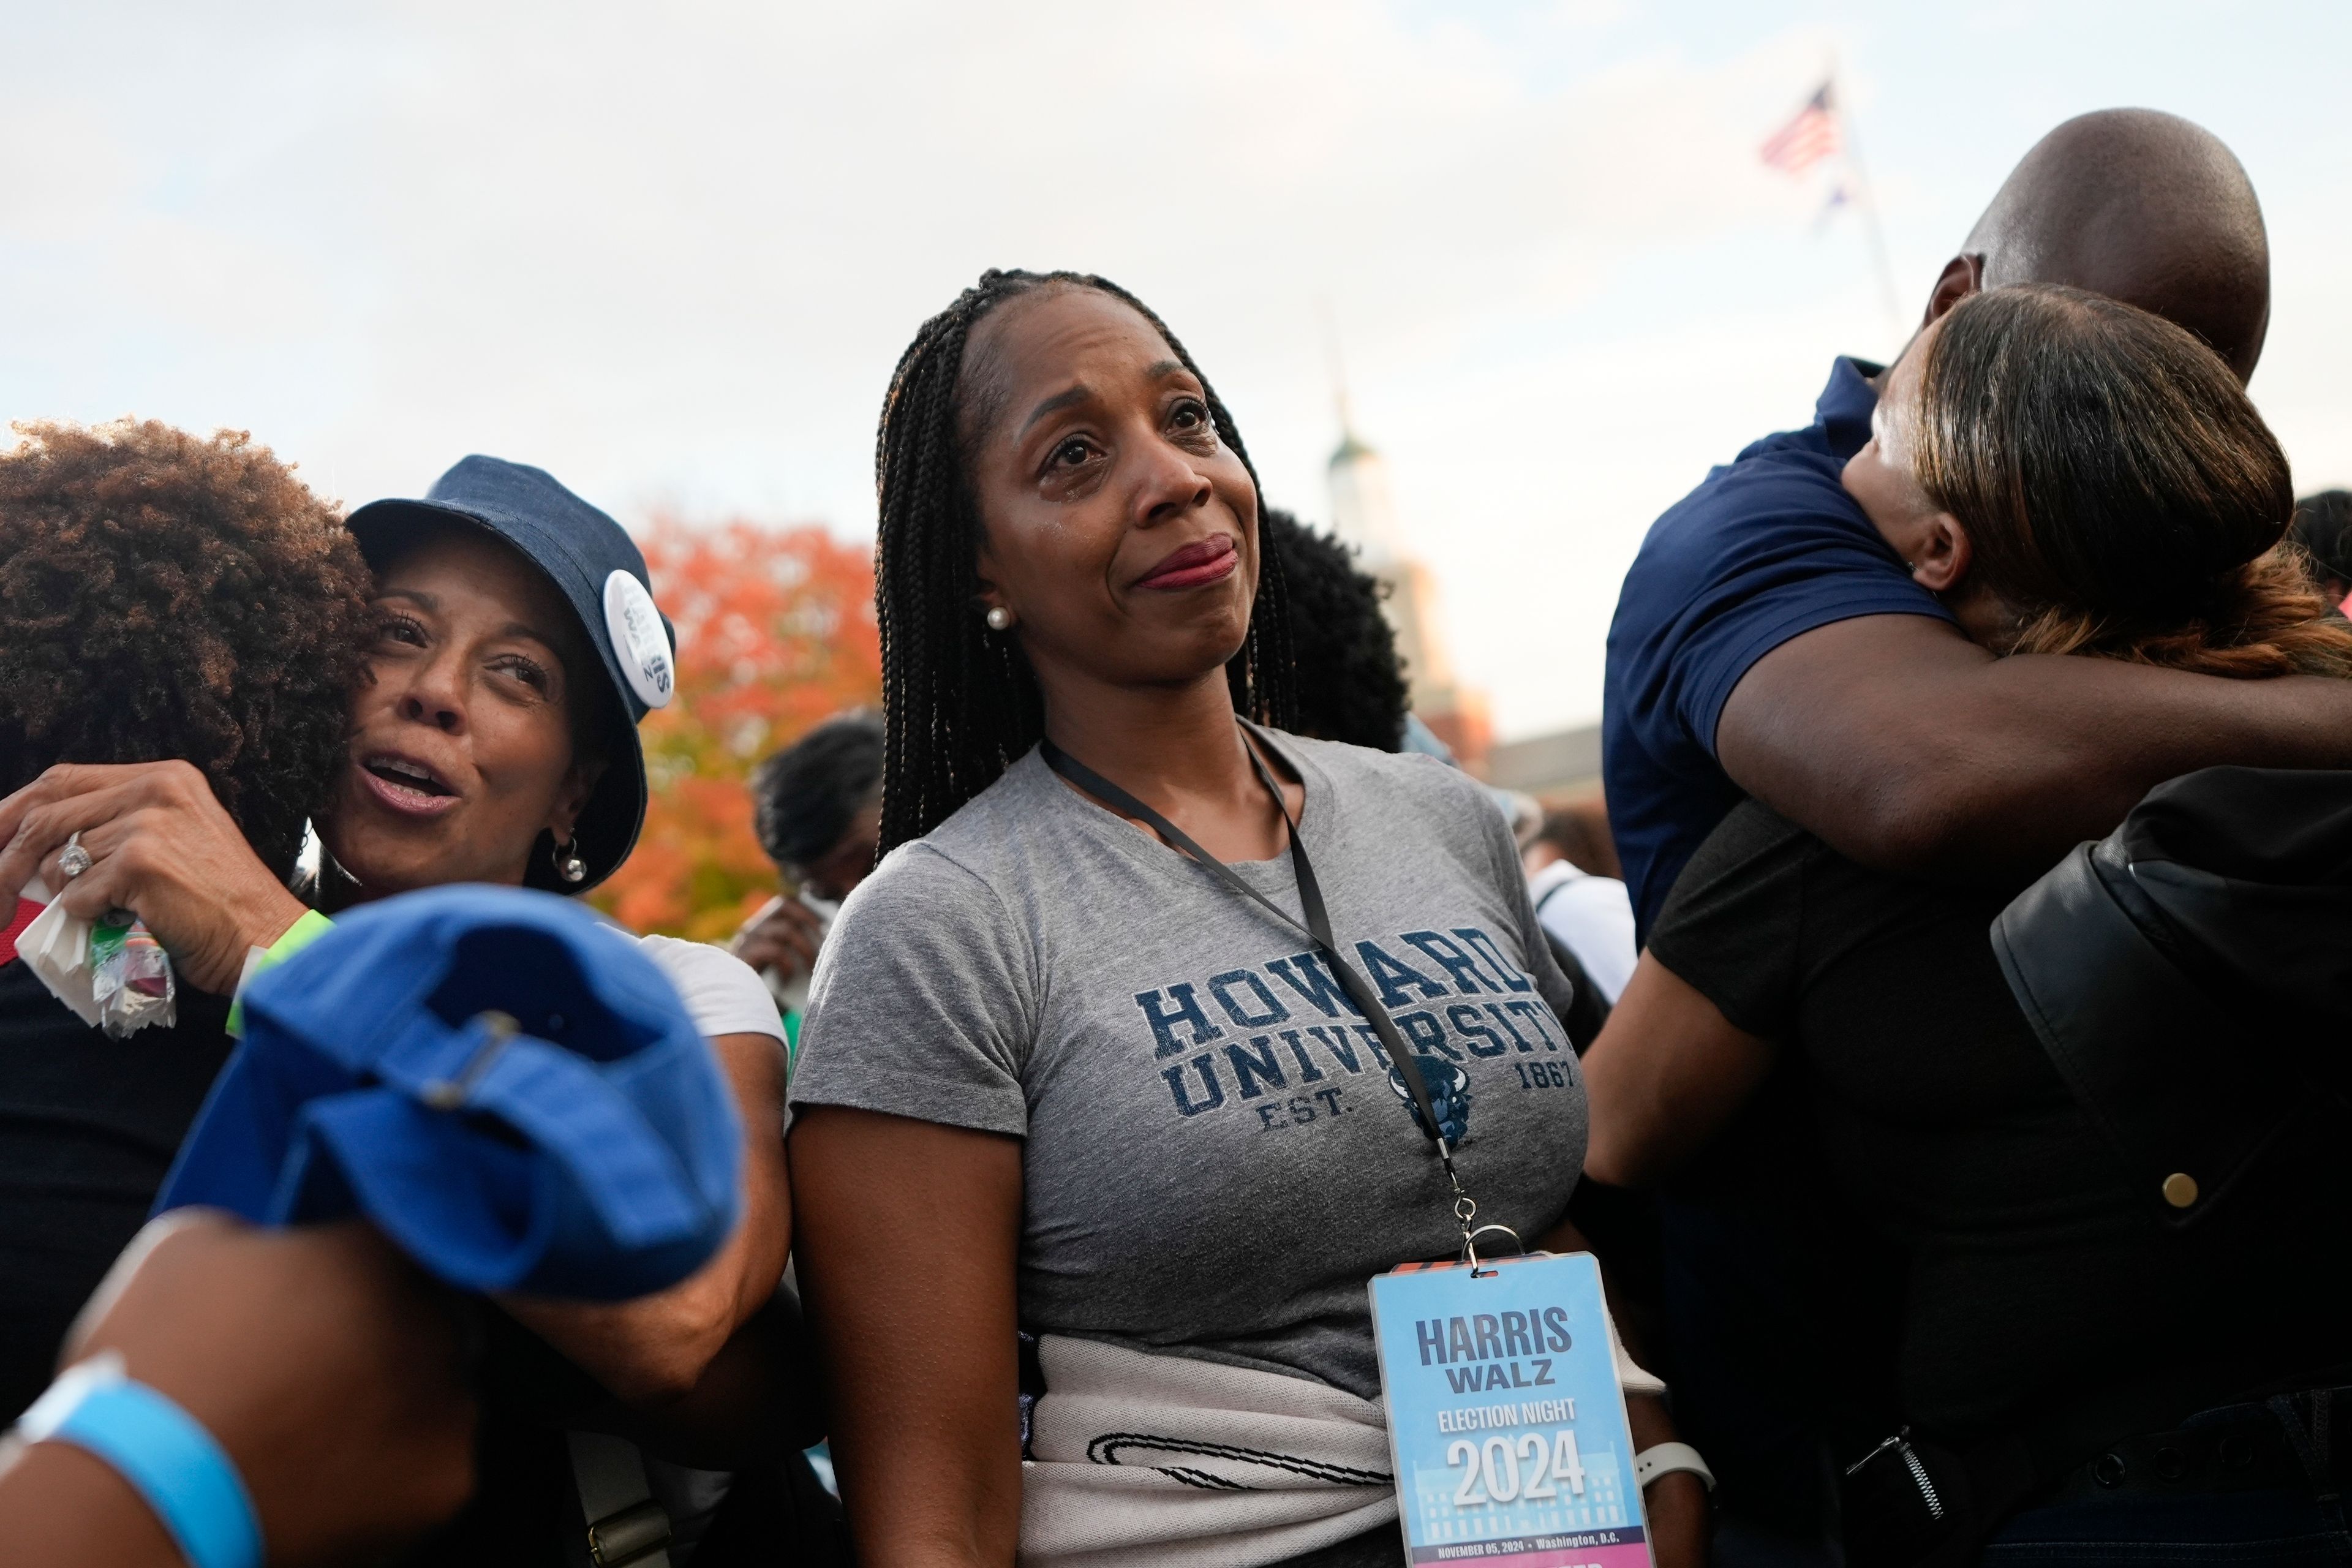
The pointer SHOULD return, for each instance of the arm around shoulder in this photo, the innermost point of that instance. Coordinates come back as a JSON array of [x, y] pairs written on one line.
[[1905, 746]]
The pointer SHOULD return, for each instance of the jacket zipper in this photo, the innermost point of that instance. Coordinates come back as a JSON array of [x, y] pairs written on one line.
[[1901, 1444]]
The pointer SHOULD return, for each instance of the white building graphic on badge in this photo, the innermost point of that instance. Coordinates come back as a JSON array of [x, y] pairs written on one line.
[[634, 628]]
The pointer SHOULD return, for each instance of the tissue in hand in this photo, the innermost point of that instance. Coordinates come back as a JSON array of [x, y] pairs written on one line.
[[124, 986]]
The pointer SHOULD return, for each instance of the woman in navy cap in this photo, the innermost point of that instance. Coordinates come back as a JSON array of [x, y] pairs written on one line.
[[493, 738]]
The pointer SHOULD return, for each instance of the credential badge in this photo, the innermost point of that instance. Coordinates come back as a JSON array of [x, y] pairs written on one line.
[[642, 647]]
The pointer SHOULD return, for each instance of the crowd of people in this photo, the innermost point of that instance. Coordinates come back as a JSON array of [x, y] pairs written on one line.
[[1932, 1047]]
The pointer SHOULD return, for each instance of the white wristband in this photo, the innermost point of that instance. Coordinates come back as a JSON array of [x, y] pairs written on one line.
[[1666, 1459]]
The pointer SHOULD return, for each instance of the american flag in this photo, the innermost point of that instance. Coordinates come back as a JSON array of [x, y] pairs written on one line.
[[1806, 140]]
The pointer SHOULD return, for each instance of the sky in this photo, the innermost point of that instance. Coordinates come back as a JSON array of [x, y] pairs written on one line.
[[671, 252]]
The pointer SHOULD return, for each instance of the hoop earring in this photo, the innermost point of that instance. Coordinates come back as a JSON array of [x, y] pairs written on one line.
[[568, 864], [999, 619]]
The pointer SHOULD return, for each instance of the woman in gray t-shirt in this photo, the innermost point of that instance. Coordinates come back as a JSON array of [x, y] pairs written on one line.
[[1057, 1075]]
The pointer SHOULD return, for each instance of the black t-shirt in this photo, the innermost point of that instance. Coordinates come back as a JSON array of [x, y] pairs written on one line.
[[88, 1129], [2031, 1275]]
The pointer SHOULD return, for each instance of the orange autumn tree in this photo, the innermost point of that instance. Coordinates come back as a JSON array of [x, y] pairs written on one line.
[[776, 633]]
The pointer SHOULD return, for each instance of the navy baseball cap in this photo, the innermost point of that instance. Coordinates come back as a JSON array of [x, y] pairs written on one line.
[[506, 1087], [601, 574]]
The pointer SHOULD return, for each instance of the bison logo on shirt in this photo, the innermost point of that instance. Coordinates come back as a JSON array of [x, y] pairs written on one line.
[[1449, 1096]]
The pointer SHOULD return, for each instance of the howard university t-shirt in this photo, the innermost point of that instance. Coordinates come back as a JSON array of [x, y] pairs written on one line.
[[1215, 1162], [1769, 547]]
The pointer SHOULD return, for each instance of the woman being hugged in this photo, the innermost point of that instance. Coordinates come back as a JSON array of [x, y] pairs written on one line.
[[1060, 1074], [2117, 1380], [510, 647]]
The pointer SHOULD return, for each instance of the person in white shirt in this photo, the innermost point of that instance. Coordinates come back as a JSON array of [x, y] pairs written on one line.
[[1585, 911]]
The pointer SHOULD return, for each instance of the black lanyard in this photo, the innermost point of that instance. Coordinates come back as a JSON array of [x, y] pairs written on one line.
[[1317, 930]]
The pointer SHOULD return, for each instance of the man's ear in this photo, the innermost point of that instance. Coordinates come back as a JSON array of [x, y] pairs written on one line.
[[1962, 275], [1941, 558]]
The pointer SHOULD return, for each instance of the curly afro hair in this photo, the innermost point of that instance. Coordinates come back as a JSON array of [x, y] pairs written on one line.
[[163, 596], [1352, 683]]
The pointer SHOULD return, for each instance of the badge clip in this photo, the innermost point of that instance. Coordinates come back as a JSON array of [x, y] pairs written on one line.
[[1470, 1243]]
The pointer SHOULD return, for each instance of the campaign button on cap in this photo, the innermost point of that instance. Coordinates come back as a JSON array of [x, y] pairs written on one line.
[[638, 640]]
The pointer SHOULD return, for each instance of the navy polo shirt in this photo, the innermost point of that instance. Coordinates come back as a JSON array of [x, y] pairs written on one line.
[[1767, 548]]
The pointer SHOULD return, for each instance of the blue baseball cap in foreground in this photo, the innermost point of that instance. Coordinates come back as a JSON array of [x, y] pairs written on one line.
[[512, 1093]]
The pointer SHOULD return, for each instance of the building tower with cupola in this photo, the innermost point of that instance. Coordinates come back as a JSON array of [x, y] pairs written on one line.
[[1364, 514]]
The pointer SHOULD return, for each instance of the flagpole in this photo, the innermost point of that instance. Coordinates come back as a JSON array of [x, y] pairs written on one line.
[[1849, 146]]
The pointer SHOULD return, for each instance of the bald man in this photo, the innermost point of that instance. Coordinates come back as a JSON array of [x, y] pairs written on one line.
[[1767, 643]]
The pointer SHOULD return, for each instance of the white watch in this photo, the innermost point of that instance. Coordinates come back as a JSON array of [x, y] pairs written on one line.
[[1666, 1459]]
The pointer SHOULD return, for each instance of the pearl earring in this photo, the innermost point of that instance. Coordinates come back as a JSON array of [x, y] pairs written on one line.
[[568, 864], [999, 619]]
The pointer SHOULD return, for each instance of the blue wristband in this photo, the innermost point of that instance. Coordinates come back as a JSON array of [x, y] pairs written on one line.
[[161, 1450]]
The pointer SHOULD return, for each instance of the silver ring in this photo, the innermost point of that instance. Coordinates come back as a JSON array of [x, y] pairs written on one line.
[[73, 860]]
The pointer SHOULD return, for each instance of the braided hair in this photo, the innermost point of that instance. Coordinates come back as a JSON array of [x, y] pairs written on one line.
[[960, 702]]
